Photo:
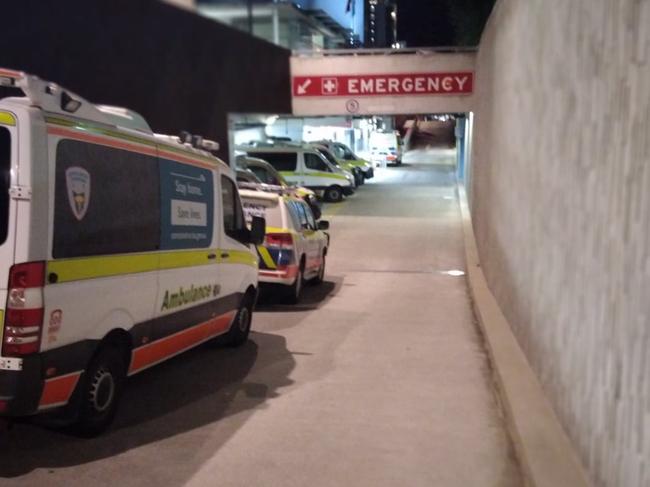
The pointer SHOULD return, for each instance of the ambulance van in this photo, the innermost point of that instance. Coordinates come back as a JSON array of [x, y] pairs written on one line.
[[119, 249], [305, 166]]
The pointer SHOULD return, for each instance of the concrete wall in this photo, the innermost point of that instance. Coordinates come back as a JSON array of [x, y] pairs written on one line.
[[561, 206]]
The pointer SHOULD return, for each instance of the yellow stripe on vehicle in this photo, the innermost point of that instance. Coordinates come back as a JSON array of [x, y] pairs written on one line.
[[188, 258], [325, 175], [77, 269], [7, 118], [237, 257], [81, 268], [266, 257]]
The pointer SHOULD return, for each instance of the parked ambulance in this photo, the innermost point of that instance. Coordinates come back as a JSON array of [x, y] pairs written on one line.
[[119, 249], [305, 166]]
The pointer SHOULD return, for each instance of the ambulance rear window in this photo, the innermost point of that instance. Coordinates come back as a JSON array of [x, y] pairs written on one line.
[[5, 178]]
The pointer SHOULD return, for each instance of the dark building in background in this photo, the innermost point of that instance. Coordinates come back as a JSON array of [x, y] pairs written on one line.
[[179, 70], [380, 20], [442, 22]]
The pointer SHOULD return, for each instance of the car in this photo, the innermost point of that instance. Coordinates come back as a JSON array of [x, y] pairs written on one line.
[[306, 166], [119, 249], [267, 174], [343, 152], [295, 247]]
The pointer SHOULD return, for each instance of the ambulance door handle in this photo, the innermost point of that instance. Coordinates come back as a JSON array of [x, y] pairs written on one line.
[[225, 255], [212, 256]]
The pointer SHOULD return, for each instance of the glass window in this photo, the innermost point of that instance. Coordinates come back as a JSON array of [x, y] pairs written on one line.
[[347, 154], [314, 162], [310, 217], [302, 215], [339, 152], [264, 175], [328, 155], [233, 216], [5, 181], [293, 213], [282, 161], [106, 201]]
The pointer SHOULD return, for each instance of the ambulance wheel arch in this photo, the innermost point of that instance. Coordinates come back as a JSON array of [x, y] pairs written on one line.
[[241, 325], [333, 193], [101, 387]]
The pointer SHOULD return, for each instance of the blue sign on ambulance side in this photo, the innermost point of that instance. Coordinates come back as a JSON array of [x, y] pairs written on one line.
[[187, 211]]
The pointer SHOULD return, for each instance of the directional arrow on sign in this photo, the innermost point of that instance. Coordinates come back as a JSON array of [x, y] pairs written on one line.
[[302, 89]]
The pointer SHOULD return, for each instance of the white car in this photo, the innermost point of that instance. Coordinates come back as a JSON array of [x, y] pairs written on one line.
[[295, 246]]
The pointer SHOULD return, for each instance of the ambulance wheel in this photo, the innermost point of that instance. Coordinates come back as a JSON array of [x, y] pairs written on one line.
[[101, 389], [241, 325], [321, 272], [295, 290], [334, 194]]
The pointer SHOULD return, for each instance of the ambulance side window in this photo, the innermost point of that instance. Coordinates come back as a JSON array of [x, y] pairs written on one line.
[[234, 223], [5, 179], [106, 201], [314, 162]]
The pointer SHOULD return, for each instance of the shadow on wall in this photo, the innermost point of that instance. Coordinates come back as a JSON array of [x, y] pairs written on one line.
[[203, 386]]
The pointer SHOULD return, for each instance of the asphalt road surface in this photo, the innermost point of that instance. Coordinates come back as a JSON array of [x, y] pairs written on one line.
[[378, 378]]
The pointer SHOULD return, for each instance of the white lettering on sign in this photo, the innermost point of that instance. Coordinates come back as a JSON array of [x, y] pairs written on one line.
[[188, 213], [381, 85]]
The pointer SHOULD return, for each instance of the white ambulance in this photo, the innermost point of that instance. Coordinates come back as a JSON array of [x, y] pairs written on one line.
[[119, 249], [305, 166]]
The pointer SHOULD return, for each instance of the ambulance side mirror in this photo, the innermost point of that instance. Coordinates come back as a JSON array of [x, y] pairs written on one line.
[[257, 231]]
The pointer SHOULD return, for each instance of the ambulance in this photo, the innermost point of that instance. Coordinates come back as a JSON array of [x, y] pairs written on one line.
[[119, 248], [306, 166]]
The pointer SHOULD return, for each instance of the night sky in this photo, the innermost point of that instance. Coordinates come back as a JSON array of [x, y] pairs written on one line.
[[441, 22], [424, 23]]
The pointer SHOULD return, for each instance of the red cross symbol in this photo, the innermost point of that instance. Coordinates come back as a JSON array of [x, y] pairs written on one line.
[[330, 86]]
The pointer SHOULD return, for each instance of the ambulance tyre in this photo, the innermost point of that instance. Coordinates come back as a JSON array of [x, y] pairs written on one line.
[[334, 194], [241, 325], [101, 389], [320, 277], [295, 290]]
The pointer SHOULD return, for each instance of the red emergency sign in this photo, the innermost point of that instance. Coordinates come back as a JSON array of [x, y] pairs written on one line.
[[461, 83]]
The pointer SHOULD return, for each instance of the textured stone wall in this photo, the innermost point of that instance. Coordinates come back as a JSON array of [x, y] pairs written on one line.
[[561, 205]]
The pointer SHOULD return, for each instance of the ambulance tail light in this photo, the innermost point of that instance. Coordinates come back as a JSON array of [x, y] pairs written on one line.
[[24, 316], [279, 240]]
